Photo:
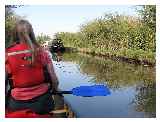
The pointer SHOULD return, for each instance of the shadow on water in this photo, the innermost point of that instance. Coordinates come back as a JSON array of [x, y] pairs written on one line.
[[137, 83]]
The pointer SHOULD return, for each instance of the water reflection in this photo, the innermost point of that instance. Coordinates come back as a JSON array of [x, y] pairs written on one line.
[[145, 99], [137, 82]]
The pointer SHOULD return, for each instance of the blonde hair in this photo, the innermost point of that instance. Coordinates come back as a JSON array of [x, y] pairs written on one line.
[[23, 26]]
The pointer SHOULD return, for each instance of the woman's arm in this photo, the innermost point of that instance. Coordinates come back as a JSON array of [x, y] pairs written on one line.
[[54, 78], [47, 61]]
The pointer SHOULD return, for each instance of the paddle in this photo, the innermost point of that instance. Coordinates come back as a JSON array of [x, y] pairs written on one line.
[[87, 91]]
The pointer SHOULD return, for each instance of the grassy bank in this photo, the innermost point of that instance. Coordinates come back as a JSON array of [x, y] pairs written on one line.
[[130, 56]]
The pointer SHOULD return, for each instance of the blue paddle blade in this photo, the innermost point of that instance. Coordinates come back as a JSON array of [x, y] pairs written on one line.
[[90, 91]]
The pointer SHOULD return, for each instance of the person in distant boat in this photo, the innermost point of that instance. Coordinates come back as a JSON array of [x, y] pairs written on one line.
[[57, 48], [30, 73]]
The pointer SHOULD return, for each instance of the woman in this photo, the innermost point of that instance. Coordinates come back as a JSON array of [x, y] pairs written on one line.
[[32, 77]]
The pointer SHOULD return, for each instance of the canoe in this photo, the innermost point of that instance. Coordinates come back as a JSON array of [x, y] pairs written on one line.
[[61, 110]]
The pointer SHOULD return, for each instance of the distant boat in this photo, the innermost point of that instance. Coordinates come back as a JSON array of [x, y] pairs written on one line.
[[57, 46]]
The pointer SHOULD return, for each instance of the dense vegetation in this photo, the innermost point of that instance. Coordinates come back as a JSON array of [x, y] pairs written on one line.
[[119, 35]]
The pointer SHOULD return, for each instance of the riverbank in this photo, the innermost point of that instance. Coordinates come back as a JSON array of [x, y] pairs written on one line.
[[138, 57]]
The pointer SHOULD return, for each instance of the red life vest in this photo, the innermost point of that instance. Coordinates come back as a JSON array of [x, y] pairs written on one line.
[[26, 113], [23, 74]]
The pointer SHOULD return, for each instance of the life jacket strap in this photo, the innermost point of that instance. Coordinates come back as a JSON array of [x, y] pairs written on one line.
[[19, 52]]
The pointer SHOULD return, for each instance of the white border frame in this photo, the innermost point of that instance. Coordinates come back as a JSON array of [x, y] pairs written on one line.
[[82, 2], [2, 60], [75, 2]]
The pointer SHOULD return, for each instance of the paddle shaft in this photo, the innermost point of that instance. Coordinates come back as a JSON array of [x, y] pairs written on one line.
[[62, 92]]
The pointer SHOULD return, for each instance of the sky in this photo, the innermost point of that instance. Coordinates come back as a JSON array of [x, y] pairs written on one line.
[[49, 19]]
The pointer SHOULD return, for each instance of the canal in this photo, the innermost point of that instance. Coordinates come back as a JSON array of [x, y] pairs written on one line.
[[133, 87]]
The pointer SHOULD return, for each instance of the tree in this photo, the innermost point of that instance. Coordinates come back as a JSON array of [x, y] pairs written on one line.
[[148, 18], [148, 15], [10, 20]]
